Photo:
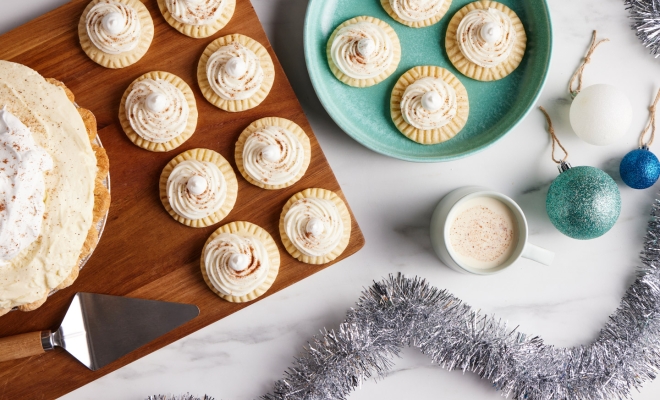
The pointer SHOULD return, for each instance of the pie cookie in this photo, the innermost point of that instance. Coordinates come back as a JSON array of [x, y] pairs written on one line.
[[197, 18], [315, 226], [240, 261], [198, 188], [115, 33], [485, 40], [158, 111], [429, 105], [363, 51], [235, 73], [416, 13], [273, 153], [53, 195]]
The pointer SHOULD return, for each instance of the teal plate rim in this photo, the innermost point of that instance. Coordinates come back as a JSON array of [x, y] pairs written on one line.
[[329, 103]]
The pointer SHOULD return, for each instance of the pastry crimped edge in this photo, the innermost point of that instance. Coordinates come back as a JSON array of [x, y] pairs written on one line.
[[101, 200], [273, 256], [361, 83], [417, 24], [266, 64], [345, 217], [273, 121], [227, 172], [472, 70], [192, 115], [199, 31], [124, 59], [437, 135]]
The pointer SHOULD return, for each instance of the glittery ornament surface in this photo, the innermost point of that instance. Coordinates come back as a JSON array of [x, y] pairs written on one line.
[[583, 202], [640, 169]]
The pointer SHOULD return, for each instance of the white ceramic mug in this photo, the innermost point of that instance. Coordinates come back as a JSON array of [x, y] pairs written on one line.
[[442, 216]]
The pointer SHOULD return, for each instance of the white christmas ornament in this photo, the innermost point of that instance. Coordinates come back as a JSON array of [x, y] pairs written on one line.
[[601, 114]]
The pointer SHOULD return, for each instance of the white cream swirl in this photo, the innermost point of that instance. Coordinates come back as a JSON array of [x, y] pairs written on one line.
[[362, 50], [273, 155], [235, 264], [113, 27], [314, 226], [157, 110], [429, 103], [196, 12], [22, 187], [183, 196], [416, 10], [234, 72], [486, 37]]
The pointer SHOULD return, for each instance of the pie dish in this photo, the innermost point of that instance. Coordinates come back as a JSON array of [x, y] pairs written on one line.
[[51, 228]]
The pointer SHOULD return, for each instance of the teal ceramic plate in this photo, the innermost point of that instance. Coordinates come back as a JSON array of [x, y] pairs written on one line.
[[495, 107]]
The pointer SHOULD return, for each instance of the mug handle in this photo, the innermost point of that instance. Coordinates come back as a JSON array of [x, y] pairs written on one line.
[[538, 254]]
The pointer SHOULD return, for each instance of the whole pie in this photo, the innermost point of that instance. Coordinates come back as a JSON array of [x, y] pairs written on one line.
[[52, 192]]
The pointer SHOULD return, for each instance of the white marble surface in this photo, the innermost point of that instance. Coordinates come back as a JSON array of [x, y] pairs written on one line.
[[240, 356]]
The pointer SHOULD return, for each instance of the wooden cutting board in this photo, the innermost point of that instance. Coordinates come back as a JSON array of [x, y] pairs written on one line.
[[144, 252]]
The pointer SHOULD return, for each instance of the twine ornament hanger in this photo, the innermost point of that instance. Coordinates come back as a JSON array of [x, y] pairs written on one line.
[[651, 124], [577, 75], [561, 164]]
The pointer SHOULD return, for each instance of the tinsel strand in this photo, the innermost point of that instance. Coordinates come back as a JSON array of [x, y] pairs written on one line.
[[645, 16], [400, 312]]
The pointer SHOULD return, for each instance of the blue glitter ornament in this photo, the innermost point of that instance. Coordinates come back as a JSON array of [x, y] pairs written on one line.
[[640, 169], [583, 202]]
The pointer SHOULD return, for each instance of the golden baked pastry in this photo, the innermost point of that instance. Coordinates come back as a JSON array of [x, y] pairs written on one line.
[[115, 33], [240, 261], [273, 153], [363, 51], [235, 73], [485, 40], [42, 250], [315, 226], [198, 188], [158, 111], [429, 105], [197, 19], [416, 13]]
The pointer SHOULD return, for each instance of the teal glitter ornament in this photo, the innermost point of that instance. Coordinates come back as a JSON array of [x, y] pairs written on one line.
[[640, 168], [583, 202]]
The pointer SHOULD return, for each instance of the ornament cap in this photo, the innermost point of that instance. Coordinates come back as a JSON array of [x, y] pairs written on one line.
[[563, 166]]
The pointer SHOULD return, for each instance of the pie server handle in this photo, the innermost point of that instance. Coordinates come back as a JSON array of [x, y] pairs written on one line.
[[24, 345]]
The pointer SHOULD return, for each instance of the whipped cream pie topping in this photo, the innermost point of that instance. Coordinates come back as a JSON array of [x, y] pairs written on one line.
[[234, 72], [416, 10], [236, 264], [189, 196], [362, 50], [196, 12], [429, 103], [157, 110], [22, 187], [273, 155], [314, 226], [113, 27], [486, 37]]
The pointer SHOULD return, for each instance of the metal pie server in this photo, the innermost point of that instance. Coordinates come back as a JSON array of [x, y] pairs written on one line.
[[98, 329]]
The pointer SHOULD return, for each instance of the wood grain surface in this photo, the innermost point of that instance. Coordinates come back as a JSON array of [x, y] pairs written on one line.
[[144, 252]]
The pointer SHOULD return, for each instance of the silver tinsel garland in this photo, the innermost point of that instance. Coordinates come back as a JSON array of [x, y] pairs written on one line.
[[645, 15], [400, 312]]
